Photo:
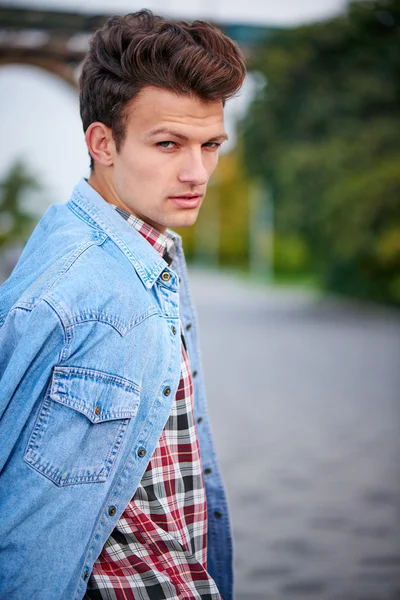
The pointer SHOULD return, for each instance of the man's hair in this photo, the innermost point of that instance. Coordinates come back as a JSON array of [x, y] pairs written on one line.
[[141, 49]]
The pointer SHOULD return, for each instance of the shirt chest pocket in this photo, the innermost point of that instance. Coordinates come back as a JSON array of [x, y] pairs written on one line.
[[81, 425]]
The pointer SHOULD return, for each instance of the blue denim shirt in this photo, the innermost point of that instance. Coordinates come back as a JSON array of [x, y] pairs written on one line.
[[89, 367]]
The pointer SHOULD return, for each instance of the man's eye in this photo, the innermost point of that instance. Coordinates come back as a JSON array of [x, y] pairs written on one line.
[[166, 144], [212, 145]]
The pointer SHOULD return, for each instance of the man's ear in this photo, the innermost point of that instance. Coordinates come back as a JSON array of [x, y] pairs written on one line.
[[100, 143]]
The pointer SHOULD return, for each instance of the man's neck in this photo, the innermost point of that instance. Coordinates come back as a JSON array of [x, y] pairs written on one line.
[[104, 187]]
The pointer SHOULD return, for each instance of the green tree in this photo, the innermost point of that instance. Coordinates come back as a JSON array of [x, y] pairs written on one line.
[[324, 134], [15, 223]]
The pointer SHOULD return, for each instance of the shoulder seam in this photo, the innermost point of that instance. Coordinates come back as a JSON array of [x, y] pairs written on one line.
[[69, 261], [67, 332]]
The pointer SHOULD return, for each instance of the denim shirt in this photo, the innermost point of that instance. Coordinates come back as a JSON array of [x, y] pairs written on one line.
[[89, 366]]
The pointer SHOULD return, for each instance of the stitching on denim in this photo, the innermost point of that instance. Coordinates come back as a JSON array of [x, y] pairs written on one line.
[[151, 275], [121, 328], [71, 401], [68, 335], [70, 260], [51, 471], [91, 212], [94, 375]]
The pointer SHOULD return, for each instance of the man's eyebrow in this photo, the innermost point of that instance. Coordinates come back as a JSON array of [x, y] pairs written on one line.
[[181, 136], [219, 138]]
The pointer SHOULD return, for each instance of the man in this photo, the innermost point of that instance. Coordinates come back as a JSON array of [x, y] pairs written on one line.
[[109, 484]]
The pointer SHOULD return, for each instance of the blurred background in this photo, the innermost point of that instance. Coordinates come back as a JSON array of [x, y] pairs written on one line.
[[294, 262]]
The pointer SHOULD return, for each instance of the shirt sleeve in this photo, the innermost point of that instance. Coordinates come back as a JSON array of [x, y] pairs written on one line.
[[31, 342]]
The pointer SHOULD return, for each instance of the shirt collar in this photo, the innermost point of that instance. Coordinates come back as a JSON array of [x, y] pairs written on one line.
[[163, 243], [88, 205]]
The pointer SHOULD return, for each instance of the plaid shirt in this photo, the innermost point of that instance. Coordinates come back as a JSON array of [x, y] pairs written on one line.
[[158, 550]]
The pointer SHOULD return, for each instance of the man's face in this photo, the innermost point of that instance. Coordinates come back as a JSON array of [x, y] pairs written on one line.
[[170, 150]]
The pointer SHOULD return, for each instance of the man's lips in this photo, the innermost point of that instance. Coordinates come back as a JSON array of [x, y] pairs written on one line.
[[187, 200], [188, 195]]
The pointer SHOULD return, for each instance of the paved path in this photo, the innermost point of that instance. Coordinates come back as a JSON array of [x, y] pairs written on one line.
[[306, 412]]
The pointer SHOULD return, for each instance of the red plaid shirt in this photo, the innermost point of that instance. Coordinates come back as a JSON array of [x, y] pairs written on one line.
[[158, 550]]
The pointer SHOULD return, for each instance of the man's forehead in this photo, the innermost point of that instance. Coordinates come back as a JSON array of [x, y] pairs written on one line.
[[154, 109]]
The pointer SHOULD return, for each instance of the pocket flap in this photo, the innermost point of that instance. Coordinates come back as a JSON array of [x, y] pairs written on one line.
[[97, 395]]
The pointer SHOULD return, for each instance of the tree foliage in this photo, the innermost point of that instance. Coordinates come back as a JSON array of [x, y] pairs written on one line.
[[15, 222], [324, 133]]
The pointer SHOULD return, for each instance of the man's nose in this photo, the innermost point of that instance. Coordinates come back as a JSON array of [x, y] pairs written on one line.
[[193, 170]]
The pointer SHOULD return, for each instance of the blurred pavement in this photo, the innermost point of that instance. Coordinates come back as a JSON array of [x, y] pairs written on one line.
[[305, 404]]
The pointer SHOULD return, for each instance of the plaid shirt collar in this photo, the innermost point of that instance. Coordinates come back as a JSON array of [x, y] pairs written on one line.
[[162, 242]]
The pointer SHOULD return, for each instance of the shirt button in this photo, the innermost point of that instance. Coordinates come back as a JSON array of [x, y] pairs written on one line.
[[165, 276], [194, 373], [207, 471], [97, 409], [188, 327], [217, 514], [86, 575], [173, 329], [167, 391], [142, 452], [199, 420], [112, 510]]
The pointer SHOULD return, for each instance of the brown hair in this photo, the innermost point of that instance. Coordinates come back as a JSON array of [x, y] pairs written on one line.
[[141, 49]]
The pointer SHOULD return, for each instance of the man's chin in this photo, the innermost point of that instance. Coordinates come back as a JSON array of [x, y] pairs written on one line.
[[184, 224], [185, 219]]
